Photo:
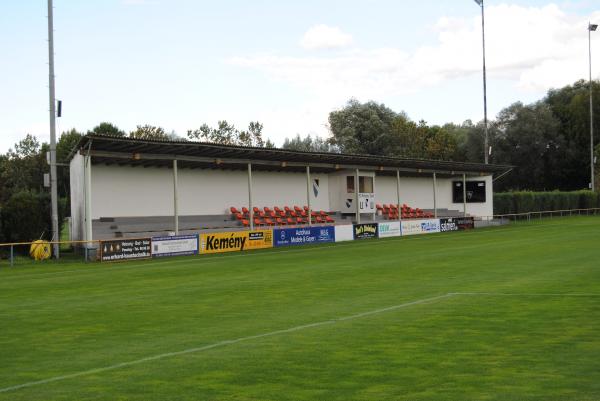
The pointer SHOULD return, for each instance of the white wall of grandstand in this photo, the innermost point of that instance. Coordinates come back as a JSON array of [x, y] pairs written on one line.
[[124, 196]]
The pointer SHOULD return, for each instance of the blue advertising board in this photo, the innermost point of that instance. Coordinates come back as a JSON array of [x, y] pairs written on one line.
[[175, 245], [303, 235]]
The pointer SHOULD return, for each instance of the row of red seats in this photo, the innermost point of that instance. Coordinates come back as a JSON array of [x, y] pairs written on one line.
[[392, 212], [277, 216]]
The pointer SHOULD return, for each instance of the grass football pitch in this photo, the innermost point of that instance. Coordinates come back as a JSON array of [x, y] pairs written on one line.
[[508, 313]]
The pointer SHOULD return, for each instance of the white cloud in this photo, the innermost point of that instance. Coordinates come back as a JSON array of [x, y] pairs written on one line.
[[325, 37], [534, 47]]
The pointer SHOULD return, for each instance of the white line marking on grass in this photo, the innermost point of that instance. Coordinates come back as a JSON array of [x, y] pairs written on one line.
[[222, 343], [541, 294]]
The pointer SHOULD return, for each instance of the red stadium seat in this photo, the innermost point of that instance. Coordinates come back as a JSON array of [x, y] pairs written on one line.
[[303, 214], [269, 222], [319, 220], [378, 206], [280, 221], [299, 220], [287, 209], [323, 213], [293, 214], [259, 222], [329, 219], [233, 210], [239, 216], [297, 209], [245, 223], [290, 221], [245, 210], [306, 208]]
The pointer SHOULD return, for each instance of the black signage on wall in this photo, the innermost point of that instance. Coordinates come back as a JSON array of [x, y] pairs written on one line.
[[475, 192], [448, 224], [464, 223], [368, 230], [126, 249]]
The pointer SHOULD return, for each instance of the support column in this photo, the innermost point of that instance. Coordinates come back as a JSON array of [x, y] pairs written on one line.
[[88, 198], [434, 195], [308, 195], [398, 194], [465, 195], [175, 197], [356, 188], [250, 211]]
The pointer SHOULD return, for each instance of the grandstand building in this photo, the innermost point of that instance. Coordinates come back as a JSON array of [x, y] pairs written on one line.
[[124, 187]]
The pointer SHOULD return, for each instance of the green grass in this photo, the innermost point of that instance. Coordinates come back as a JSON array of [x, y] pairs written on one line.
[[61, 319]]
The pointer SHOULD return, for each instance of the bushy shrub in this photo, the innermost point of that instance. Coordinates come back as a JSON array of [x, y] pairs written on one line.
[[527, 201]]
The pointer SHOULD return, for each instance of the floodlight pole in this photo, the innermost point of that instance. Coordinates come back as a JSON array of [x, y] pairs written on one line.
[[485, 119], [51, 92], [591, 27], [308, 195]]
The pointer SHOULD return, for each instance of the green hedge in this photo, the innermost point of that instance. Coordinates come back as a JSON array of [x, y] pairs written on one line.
[[526, 201]]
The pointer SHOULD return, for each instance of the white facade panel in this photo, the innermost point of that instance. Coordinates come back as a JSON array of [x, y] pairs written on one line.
[[76, 180], [137, 191]]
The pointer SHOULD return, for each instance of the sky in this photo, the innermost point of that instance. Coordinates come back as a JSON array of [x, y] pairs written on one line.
[[180, 63]]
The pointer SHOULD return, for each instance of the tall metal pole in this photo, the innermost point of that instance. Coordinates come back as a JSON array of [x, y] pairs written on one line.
[[308, 195], [591, 27], [250, 211], [51, 92], [485, 119], [175, 197]]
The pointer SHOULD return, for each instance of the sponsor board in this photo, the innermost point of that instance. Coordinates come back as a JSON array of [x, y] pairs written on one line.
[[235, 241], [465, 223], [389, 229], [175, 245], [448, 224], [125, 249], [412, 227], [303, 235], [364, 231], [344, 233]]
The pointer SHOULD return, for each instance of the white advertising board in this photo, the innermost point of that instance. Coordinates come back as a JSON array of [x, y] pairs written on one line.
[[175, 245], [412, 227], [389, 229], [344, 233]]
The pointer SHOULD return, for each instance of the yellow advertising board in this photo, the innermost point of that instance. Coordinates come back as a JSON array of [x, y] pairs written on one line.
[[235, 241]]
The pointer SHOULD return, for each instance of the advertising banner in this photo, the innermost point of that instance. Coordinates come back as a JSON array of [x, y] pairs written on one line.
[[176, 245], [125, 249], [465, 223], [235, 241], [344, 233], [412, 227], [448, 224], [303, 235], [389, 229], [364, 231]]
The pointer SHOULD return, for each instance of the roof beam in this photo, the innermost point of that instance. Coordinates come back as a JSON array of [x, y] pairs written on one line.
[[281, 165]]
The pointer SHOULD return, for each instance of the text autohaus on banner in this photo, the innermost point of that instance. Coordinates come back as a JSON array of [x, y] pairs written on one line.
[[235, 241], [303, 235]]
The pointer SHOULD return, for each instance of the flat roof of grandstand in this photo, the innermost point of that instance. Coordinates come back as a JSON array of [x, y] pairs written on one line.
[[106, 149]]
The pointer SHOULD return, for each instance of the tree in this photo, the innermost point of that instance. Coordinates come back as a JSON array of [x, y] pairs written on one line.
[[149, 132], [528, 138], [23, 168], [308, 144], [107, 129], [227, 134], [364, 128]]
